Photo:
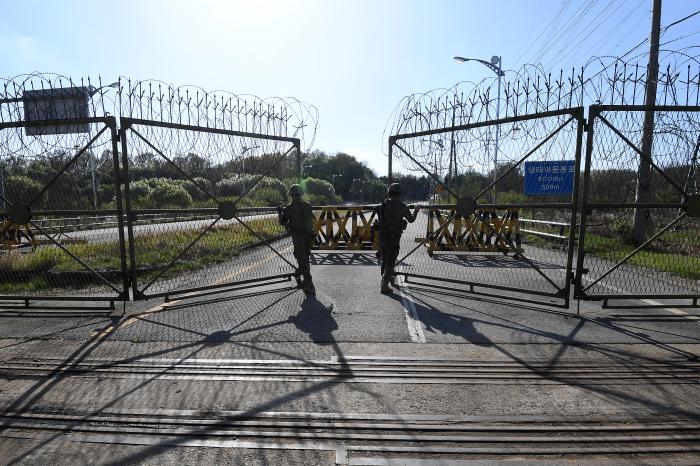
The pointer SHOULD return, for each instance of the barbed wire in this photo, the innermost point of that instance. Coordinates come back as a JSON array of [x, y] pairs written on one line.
[[532, 90], [23, 97]]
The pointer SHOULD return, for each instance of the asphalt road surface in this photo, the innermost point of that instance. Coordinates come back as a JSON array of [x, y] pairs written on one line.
[[268, 375]]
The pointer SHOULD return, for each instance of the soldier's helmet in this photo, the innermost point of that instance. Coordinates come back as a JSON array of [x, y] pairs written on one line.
[[395, 189], [295, 191]]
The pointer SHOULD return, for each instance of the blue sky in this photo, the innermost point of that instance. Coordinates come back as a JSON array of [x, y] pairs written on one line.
[[354, 60]]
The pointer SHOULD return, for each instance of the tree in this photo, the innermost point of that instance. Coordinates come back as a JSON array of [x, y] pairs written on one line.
[[169, 195], [21, 189]]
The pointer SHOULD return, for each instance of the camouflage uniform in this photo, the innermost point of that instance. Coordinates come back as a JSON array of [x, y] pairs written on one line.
[[298, 218], [393, 216]]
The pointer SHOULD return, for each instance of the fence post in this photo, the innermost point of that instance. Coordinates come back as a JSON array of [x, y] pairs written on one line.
[[592, 115], [120, 207]]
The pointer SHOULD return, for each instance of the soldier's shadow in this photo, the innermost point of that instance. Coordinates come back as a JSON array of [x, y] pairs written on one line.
[[315, 319], [436, 321]]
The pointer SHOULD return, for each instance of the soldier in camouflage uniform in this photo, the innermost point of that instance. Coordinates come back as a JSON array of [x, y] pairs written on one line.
[[393, 216], [298, 218]]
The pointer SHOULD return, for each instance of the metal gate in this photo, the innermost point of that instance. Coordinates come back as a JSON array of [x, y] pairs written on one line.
[[227, 239], [58, 242], [640, 232], [521, 245]]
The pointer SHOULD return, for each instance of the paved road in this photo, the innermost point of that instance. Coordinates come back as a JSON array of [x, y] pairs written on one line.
[[350, 376]]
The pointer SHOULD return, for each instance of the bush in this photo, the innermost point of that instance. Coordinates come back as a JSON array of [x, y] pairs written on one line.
[[21, 189], [237, 184], [105, 193], [320, 187], [267, 197], [234, 186], [169, 195], [273, 183], [139, 190], [195, 192]]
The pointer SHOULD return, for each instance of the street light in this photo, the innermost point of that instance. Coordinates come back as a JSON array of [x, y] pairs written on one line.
[[353, 187], [362, 191], [495, 65], [333, 183], [91, 157], [94, 90]]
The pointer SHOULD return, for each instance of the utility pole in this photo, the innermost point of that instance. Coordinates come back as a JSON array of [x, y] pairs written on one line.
[[641, 215]]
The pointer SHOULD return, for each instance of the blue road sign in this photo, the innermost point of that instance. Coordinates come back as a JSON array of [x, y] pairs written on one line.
[[550, 177]]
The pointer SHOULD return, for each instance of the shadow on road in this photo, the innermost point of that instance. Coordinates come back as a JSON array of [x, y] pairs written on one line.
[[316, 320], [500, 262], [345, 258]]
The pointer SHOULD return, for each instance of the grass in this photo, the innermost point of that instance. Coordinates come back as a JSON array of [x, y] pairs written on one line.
[[676, 252], [655, 256], [28, 271]]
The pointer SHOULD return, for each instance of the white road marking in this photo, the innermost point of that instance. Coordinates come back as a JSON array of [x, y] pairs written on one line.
[[648, 301], [415, 327]]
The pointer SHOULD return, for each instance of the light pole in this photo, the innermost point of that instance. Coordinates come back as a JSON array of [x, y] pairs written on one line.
[[495, 65], [362, 191], [353, 188], [333, 183], [91, 157]]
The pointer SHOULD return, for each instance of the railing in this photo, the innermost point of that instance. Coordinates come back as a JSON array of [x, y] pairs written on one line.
[[558, 226]]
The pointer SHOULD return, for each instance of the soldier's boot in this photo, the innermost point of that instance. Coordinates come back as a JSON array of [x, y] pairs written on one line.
[[385, 286], [308, 286]]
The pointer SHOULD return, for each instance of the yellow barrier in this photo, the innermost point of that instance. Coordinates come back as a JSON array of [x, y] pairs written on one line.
[[345, 227], [483, 231], [11, 235]]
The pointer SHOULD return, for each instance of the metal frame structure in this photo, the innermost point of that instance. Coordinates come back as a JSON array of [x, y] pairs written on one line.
[[467, 206], [578, 226], [226, 210], [597, 117], [25, 211]]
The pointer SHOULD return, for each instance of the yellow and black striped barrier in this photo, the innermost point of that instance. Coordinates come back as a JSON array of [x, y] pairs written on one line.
[[483, 231], [345, 227], [11, 235]]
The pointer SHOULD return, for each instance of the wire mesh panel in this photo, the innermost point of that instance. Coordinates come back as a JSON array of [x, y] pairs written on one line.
[[501, 202], [206, 172], [59, 199], [210, 221], [642, 232]]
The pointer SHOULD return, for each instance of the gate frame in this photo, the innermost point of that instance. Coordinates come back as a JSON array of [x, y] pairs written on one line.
[[576, 115], [139, 295], [110, 123], [594, 113]]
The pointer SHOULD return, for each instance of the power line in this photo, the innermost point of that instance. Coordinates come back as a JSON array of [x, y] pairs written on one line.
[[643, 41], [568, 26], [682, 19], [568, 49], [615, 31], [564, 5]]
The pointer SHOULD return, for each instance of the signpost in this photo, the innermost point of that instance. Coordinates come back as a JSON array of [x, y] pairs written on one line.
[[549, 177], [55, 105]]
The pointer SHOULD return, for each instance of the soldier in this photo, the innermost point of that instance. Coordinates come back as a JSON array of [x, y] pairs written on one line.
[[298, 218], [393, 216]]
